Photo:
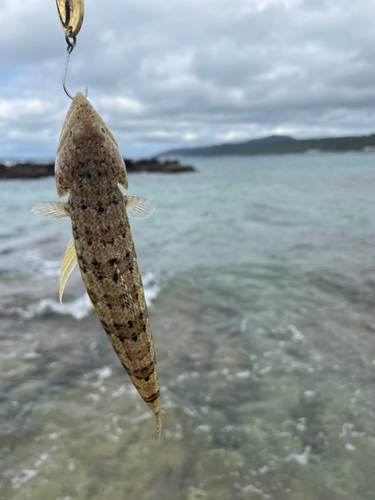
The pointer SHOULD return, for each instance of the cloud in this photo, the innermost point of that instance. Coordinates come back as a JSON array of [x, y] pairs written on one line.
[[194, 71]]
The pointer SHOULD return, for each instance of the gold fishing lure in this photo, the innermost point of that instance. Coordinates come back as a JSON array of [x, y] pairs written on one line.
[[89, 168], [71, 15]]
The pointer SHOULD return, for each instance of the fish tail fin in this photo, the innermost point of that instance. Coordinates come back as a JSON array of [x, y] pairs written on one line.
[[159, 415]]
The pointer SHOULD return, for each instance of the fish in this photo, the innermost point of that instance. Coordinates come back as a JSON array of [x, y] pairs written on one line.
[[89, 167]]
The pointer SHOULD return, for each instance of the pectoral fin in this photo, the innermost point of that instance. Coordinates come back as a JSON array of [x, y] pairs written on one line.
[[67, 266], [51, 210], [138, 208]]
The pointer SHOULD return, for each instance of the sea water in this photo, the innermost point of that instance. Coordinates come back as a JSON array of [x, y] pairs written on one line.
[[259, 273]]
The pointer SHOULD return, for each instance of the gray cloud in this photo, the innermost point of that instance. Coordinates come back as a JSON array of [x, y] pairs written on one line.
[[169, 74]]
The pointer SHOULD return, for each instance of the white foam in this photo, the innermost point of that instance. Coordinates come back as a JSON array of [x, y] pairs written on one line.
[[41, 460], [309, 396], [79, 308], [31, 355], [104, 373], [264, 469], [250, 488], [26, 475], [40, 265], [346, 429], [296, 334], [151, 289], [204, 428], [92, 397], [141, 418], [302, 458]]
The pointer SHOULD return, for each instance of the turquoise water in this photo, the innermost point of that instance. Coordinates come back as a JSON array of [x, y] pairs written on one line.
[[260, 277]]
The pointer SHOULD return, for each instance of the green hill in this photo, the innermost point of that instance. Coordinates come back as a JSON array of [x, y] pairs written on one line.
[[276, 145]]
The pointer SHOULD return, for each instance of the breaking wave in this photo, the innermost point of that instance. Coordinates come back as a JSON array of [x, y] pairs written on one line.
[[79, 308]]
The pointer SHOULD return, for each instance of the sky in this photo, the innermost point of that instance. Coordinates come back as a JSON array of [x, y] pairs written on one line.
[[179, 73]]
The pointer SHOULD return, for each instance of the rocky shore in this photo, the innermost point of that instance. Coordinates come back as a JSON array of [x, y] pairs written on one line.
[[36, 170]]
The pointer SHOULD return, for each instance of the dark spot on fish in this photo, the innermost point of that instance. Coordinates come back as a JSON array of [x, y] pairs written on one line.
[[136, 296], [126, 368], [113, 261], [100, 277], [134, 338], [116, 326], [99, 174], [109, 305], [115, 202], [144, 328], [130, 324], [83, 207], [111, 241], [100, 208], [89, 243], [147, 379], [124, 235], [127, 254], [130, 269], [152, 398], [115, 278], [79, 257], [89, 176], [95, 263], [141, 316]]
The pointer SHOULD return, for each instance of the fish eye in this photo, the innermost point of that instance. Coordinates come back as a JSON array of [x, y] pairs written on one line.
[[71, 133], [102, 129]]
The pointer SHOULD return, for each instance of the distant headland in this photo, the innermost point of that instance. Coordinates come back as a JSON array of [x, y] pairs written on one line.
[[280, 144], [36, 170]]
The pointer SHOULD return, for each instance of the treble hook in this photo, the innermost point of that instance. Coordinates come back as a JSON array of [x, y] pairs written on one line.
[[69, 49]]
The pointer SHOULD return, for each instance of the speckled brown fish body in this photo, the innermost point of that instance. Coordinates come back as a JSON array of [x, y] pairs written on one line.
[[109, 268], [89, 166]]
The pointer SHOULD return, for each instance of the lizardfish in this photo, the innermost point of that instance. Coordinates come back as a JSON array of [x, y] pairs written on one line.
[[89, 168]]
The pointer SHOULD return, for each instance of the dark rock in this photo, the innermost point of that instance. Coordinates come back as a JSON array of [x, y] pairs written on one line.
[[154, 165], [35, 170], [27, 171]]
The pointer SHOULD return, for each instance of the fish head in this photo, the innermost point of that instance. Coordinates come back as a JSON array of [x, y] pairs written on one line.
[[84, 140]]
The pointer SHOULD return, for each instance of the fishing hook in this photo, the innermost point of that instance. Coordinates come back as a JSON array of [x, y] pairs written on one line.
[[71, 44]]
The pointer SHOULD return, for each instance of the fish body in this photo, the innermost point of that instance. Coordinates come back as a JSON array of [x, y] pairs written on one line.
[[89, 167]]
